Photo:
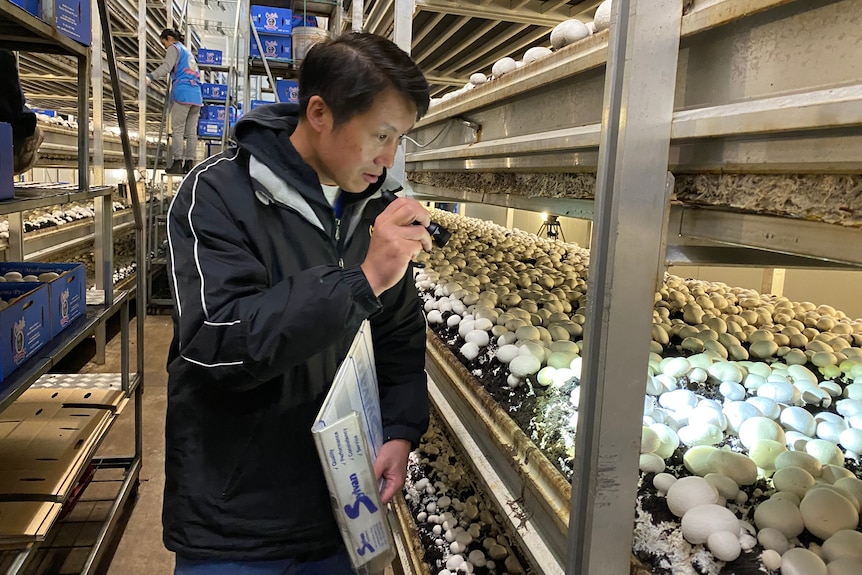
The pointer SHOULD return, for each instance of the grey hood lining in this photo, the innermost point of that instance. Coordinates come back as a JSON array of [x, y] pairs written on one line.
[[276, 190]]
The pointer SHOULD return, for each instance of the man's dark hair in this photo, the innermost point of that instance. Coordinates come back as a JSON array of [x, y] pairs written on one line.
[[350, 71]]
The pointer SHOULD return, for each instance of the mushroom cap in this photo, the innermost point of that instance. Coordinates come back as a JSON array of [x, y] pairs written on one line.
[[843, 544], [688, 493], [800, 561], [700, 522], [825, 512], [781, 515]]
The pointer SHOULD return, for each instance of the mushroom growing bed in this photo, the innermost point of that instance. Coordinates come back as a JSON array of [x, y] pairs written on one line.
[[457, 526], [752, 412]]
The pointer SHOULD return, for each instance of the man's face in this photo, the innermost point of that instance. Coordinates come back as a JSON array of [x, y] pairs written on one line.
[[165, 42], [354, 154]]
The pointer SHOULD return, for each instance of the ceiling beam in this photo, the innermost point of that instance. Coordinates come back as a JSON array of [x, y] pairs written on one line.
[[488, 58], [47, 78], [456, 52], [377, 16], [445, 80], [427, 29], [468, 61], [440, 39], [491, 12], [550, 6], [58, 97]]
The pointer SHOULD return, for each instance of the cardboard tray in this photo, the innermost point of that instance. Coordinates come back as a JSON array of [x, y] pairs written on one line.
[[42, 457]]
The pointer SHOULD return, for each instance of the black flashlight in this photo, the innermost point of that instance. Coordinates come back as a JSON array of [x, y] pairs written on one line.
[[438, 233]]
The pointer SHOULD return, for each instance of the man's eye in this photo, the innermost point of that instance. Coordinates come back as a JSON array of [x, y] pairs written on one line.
[[382, 137]]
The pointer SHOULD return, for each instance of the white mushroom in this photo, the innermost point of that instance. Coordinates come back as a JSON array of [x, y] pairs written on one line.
[[700, 522], [690, 492], [781, 515], [825, 512], [800, 561]]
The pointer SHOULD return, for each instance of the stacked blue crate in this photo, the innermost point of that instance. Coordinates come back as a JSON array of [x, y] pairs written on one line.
[[209, 57], [214, 91], [273, 26]]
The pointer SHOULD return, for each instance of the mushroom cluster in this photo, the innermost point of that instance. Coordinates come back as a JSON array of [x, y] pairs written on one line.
[[41, 219], [748, 387], [461, 531]]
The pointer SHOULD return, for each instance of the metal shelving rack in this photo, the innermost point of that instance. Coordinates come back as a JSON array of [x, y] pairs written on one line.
[[21, 31], [275, 67], [727, 88]]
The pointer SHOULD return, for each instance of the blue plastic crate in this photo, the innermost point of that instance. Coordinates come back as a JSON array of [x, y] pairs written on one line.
[[214, 91], [206, 56], [73, 19], [300, 21], [216, 112], [31, 6], [25, 325], [273, 47], [211, 128], [67, 295], [269, 20], [288, 91]]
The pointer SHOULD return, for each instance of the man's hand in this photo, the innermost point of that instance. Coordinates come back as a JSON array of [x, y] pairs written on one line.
[[391, 466], [395, 242]]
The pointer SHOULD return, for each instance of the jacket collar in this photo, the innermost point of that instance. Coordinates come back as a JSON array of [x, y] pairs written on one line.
[[270, 188]]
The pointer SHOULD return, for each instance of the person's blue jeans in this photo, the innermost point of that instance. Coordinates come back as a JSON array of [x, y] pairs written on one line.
[[335, 565]]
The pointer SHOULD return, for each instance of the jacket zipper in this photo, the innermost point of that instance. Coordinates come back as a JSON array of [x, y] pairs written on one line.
[[338, 242]]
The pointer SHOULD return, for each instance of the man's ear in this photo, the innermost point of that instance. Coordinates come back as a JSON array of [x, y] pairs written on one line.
[[318, 114]]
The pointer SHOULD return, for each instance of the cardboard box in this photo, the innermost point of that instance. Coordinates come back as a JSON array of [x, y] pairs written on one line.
[[73, 19], [51, 398], [26, 521], [49, 113], [206, 56], [214, 91], [269, 20], [7, 184], [31, 6], [273, 47], [288, 91], [25, 325], [259, 103], [67, 295], [216, 112], [40, 457]]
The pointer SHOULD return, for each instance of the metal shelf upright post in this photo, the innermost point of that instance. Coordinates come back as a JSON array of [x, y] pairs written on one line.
[[632, 194]]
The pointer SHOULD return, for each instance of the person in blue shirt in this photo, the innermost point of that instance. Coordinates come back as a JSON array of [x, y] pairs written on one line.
[[186, 99]]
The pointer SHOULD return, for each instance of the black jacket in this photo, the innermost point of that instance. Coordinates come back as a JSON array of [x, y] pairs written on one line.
[[268, 302]]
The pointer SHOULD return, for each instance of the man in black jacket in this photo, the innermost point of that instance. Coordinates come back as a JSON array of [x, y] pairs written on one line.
[[279, 249]]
